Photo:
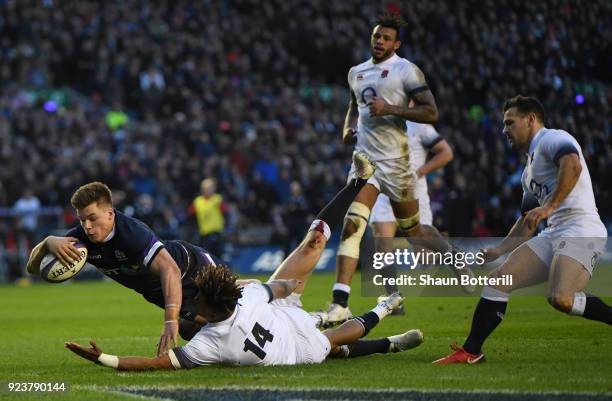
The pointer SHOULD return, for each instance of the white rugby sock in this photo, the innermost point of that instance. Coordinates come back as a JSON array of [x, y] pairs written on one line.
[[579, 304], [342, 287]]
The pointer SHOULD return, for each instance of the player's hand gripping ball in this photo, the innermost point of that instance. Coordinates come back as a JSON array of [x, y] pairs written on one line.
[[53, 271]]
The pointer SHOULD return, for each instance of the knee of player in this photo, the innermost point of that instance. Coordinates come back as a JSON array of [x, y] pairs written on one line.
[[349, 228], [355, 224], [560, 302]]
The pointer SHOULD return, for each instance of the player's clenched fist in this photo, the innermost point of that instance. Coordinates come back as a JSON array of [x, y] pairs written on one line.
[[378, 107]]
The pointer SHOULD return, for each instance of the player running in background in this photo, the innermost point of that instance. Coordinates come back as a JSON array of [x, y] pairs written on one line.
[[127, 251], [263, 324], [424, 141], [381, 89], [565, 252]]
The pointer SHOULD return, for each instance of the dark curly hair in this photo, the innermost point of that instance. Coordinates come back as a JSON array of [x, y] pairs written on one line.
[[217, 287], [391, 20]]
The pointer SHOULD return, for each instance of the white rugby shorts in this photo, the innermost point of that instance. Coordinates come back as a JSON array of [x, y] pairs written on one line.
[[310, 344], [582, 237], [382, 211], [395, 178]]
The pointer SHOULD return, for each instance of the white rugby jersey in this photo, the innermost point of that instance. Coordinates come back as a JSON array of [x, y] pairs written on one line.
[[421, 137], [394, 80], [257, 333], [540, 175]]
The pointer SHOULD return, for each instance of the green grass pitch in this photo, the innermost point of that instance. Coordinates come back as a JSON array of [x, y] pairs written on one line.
[[536, 349]]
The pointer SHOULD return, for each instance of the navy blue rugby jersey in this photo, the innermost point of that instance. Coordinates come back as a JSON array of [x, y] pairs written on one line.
[[127, 255]]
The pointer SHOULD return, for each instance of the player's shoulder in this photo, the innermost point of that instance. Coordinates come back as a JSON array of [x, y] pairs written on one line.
[[359, 68], [422, 131], [256, 293], [363, 64], [128, 224], [132, 233], [405, 64], [554, 136], [559, 133]]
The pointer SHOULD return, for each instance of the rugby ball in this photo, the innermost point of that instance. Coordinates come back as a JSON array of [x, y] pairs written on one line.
[[53, 271]]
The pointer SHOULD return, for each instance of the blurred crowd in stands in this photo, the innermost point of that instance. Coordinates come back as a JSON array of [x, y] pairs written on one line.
[[151, 98]]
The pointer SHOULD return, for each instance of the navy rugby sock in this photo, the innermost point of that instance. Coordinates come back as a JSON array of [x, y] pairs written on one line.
[[596, 309], [368, 347], [340, 297], [368, 320], [487, 316]]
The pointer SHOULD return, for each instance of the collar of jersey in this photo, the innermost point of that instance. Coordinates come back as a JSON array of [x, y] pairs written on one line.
[[110, 235], [387, 61], [535, 140]]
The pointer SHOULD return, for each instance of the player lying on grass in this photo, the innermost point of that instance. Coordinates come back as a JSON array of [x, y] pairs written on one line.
[[264, 324], [557, 181], [130, 253]]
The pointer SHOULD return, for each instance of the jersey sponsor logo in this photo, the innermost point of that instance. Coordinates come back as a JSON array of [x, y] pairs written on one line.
[[368, 94], [384, 73], [359, 77]]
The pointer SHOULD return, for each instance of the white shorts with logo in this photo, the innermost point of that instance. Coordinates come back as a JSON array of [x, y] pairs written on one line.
[[582, 237], [395, 178], [382, 211], [311, 345]]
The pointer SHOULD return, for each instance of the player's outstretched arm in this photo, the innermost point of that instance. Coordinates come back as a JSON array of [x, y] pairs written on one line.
[[170, 277], [95, 355], [282, 288]]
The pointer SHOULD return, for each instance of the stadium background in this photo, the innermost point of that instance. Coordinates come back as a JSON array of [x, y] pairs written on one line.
[[153, 97]]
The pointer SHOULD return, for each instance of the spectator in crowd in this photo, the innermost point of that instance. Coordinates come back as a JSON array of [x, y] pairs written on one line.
[[209, 211], [295, 215], [26, 211]]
